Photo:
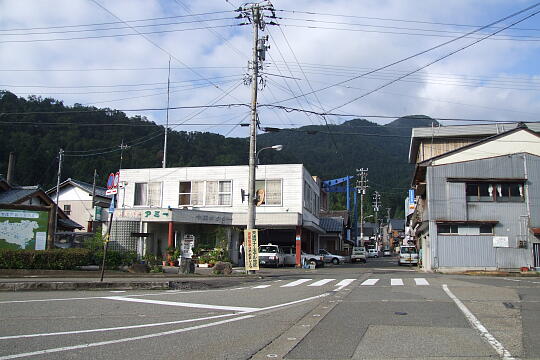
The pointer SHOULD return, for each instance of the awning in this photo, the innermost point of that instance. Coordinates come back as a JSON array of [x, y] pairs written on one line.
[[311, 226]]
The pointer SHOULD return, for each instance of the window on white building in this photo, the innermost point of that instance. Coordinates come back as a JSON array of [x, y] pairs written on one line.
[[191, 193], [147, 194], [269, 191], [67, 209], [205, 193]]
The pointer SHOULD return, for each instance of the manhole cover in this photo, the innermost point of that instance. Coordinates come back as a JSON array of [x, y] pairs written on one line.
[[400, 313]]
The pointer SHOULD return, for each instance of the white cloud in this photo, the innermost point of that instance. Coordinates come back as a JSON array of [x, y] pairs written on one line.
[[501, 76]]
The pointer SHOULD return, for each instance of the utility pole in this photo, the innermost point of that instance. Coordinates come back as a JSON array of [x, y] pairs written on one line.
[[94, 201], [167, 121], [60, 159], [376, 207], [361, 187], [111, 213], [253, 13]]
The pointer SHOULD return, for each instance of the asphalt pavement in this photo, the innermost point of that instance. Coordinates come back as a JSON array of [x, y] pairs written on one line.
[[352, 311]]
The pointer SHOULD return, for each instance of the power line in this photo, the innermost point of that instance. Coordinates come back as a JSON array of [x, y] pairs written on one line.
[[394, 27], [114, 28], [395, 20], [437, 60], [118, 35], [501, 38], [116, 22], [110, 111], [423, 52]]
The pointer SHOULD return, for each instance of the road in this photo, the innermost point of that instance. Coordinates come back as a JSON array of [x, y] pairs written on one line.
[[352, 311]]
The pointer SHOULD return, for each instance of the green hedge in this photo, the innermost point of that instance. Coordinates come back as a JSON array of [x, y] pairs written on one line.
[[57, 259], [114, 258], [62, 259]]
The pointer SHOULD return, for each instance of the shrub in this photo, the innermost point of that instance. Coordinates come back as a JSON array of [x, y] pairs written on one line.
[[114, 258], [56, 259]]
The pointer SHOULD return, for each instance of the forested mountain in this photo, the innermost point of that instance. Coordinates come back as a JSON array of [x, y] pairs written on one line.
[[37, 128]]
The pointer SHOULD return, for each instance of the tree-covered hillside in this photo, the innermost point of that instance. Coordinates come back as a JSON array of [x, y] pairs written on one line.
[[37, 128]]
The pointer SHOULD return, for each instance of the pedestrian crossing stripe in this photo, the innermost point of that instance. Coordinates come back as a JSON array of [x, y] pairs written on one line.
[[321, 282], [345, 282], [369, 282]]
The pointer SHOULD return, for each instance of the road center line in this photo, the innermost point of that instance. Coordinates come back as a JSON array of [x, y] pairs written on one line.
[[499, 348], [183, 304]]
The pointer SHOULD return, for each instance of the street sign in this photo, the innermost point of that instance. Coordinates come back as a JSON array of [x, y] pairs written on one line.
[[111, 207], [251, 244], [112, 183]]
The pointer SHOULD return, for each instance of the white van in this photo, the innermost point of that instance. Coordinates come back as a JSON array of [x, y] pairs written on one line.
[[408, 255]]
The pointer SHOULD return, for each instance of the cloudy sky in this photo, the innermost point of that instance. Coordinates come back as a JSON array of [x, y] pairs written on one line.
[[115, 54]]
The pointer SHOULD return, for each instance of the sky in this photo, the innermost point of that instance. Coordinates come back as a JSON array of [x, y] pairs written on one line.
[[115, 54]]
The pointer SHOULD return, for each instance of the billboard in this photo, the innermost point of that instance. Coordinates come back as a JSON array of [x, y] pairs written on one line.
[[23, 229]]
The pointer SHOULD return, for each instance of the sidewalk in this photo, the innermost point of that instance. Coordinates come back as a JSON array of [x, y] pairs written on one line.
[[20, 280]]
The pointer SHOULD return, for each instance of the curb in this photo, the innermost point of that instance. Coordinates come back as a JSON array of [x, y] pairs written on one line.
[[118, 285]]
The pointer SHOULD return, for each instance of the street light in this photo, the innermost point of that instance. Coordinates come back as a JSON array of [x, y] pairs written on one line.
[[275, 147]]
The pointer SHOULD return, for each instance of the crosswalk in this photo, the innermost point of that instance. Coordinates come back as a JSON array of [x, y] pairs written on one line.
[[346, 282]]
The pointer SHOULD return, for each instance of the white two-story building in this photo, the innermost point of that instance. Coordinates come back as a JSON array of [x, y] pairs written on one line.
[[156, 207]]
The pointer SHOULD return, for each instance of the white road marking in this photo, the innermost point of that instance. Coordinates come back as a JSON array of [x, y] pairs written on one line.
[[136, 295], [499, 348], [421, 281], [396, 282], [321, 282], [343, 283], [370, 282], [296, 283], [118, 291], [82, 346], [183, 304], [261, 287], [110, 342], [75, 332]]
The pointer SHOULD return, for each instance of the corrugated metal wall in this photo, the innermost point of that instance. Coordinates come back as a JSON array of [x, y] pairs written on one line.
[[533, 185], [447, 201], [466, 251]]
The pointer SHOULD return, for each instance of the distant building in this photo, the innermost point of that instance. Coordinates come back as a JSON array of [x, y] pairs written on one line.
[[75, 199], [477, 200], [27, 218]]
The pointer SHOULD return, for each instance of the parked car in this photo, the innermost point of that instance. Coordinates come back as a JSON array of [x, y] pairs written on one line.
[[387, 252], [373, 253], [271, 255], [333, 258], [408, 255], [290, 257], [358, 254]]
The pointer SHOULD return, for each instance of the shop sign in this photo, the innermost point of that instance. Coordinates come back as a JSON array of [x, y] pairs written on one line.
[[188, 242], [251, 243]]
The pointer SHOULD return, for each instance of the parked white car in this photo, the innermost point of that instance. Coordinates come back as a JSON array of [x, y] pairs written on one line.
[[358, 254], [290, 257], [332, 258], [271, 255], [373, 253], [408, 255]]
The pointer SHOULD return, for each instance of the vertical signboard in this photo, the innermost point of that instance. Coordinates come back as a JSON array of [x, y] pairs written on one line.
[[251, 243]]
